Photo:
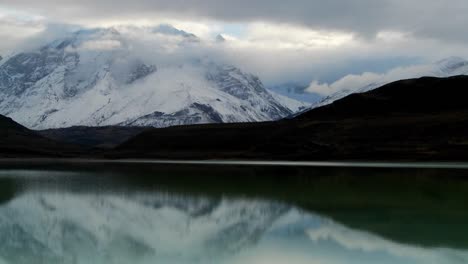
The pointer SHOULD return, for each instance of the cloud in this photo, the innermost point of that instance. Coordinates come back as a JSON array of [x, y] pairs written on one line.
[[276, 52], [438, 19], [300, 41], [295, 41], [354, 82], [13, 31], [307, 56], [349, 82], [283, 36], [107, 44]]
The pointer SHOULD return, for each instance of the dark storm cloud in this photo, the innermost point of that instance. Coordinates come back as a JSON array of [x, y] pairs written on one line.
[[443, 19]]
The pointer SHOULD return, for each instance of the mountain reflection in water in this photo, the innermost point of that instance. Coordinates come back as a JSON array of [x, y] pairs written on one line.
[[53, 217]]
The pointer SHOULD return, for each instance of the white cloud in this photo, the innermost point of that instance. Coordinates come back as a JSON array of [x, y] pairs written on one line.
[[204, 29], [276, 52], [349, 82], [438, 19], [108, 44], [16, 27], [297, 41], [282, 36], [354, 82]]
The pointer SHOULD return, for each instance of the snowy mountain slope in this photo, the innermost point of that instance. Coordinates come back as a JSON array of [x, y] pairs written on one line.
[[170, 30], [294, 105], [445, 68], [102, 77]]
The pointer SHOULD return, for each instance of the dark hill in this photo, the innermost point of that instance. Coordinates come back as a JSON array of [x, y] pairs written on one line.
[[417, 119], [18, 141], [99, 137], [414, 96]]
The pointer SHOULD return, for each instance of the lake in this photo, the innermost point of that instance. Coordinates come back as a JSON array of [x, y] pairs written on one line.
[[165, 212]]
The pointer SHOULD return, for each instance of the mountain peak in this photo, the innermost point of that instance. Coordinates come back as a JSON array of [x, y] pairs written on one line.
[[220, 38], [95, 78], [168, 29]]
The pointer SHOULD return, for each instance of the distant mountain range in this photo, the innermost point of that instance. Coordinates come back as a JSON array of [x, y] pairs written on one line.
[[416, 119], [448, 67], [101, 77], [297, 92]]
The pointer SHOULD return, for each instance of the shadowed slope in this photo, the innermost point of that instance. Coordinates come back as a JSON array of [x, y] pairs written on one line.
[[103, 137], [18, 141]]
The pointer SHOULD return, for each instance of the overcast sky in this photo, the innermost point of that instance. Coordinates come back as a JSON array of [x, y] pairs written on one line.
[[281, 41]]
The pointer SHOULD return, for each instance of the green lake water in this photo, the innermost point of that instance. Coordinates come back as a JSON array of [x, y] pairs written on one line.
[[236, 212]]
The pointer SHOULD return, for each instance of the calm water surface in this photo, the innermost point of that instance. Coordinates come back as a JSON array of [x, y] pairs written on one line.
[[212, 213]]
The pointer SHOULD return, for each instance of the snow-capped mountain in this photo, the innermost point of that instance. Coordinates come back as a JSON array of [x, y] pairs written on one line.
[[131, 76], [170, 30], [445, 68]]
